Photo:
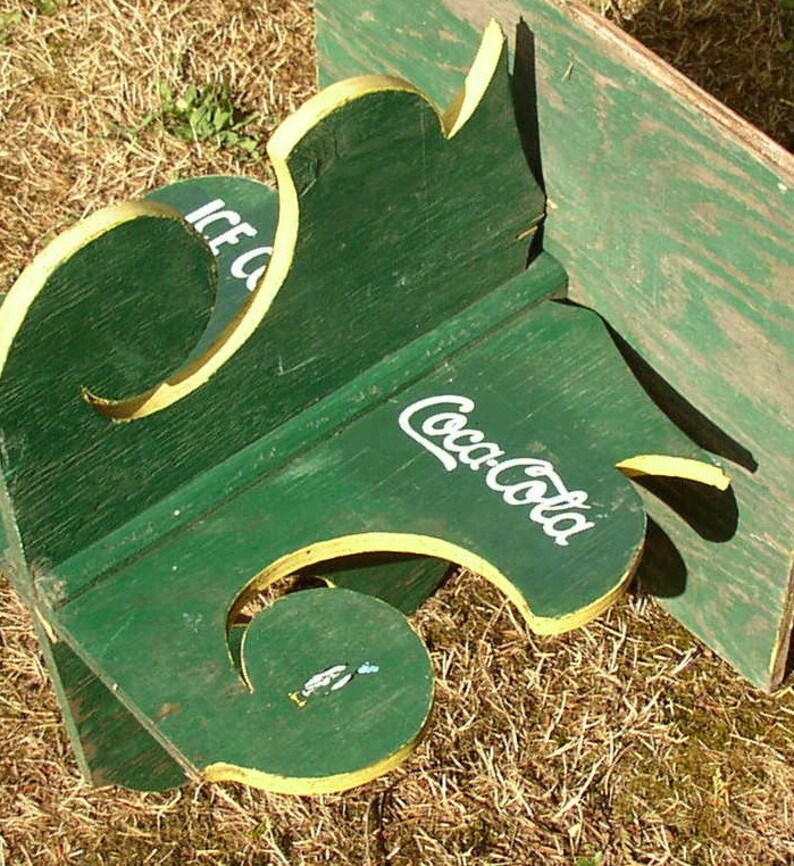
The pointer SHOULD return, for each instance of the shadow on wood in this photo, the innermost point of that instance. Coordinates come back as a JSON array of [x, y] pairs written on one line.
[[662, 572], [678, 409], [712, 513], [523, 85]]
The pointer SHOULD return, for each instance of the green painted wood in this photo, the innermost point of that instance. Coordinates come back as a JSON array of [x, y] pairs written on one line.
[[75, 485], [375, 477], [337, 683], [111, 746], [317, 336], [482, 426], [90, 304], [544, 279], [405, 581], [347, 681], [674, 220], [215, 205]]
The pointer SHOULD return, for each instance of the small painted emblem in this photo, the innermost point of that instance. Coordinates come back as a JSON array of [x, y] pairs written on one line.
[[330, 680]]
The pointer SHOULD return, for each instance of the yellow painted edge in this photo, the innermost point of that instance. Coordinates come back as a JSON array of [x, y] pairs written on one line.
[[280, 147], [33, 279], [675, 467], [301, 785], [425, 545], [478, 79], [388, 542], [310, 785]]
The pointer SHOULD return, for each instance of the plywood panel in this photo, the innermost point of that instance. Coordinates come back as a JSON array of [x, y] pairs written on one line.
[[674, 220]]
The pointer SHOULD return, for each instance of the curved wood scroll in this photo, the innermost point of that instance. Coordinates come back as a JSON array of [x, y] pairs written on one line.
[[389, 233], [386, 388]]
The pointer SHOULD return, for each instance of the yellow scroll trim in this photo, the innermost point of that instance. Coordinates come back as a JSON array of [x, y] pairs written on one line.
[[675, 467], [280, 147], [308, 785], [426, 545]]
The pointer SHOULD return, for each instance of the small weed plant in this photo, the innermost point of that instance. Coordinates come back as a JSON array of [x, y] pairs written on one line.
[[208, 114], [48, 7], [7, 22]]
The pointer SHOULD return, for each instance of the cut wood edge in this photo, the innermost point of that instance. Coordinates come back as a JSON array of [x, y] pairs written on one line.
[[32, 280], [638, 57], [280, 147], [310, 785], [479, 77], [426, 545], [120, 693], [784, 645], [662, 465]]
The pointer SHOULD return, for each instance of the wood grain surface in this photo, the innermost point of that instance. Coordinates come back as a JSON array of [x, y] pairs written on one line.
[[363, 264], [674, 221], [549, 385], [75, 327], [385, 377]]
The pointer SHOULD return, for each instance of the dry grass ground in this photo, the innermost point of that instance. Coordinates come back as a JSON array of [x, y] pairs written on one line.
[[626, 742]]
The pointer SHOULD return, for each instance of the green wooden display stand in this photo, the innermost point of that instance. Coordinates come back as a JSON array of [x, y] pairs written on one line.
[[382, 387]]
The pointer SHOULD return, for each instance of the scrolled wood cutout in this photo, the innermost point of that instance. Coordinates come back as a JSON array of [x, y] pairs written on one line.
[[395, 383]]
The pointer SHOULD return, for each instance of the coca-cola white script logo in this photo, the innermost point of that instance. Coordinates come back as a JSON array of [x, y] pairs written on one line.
[[522, 481]]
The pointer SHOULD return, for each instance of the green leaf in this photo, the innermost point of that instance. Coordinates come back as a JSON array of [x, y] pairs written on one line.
[[221, 117], [48, 7], [7, 21], [208, 113], [596, 860], [182, 131]]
